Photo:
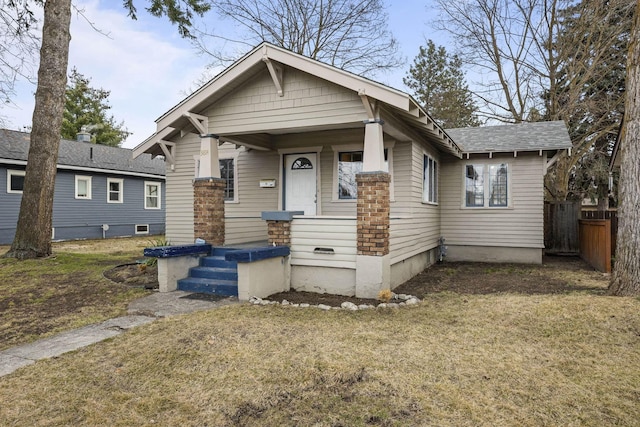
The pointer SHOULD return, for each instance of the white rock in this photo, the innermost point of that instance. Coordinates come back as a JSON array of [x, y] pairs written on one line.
[[403, 297], [349, 306], [264, 302], [412, 301], [324, 307], [382, 305], [392, 305], [365, 306], [285, 302], [295, 305], [304, 305]]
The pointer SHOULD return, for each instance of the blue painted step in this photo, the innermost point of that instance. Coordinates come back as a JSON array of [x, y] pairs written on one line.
[[214, 275]]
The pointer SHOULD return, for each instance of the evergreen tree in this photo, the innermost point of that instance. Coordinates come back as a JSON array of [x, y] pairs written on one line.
[[85, 109], [438, 83]]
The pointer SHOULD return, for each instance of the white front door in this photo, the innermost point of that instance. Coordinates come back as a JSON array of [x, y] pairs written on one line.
[[300, 183]]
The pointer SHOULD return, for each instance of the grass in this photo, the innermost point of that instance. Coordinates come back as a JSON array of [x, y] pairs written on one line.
[[67, 290], [496, 360]]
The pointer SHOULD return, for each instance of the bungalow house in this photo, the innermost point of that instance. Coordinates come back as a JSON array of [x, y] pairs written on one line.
[[100, 191], [352, 175]]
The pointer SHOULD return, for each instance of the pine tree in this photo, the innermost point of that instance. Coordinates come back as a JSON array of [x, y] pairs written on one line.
[[438, 83], [85, 109]]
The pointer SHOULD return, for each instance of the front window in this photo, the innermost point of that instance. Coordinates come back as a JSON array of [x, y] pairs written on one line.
[[83, 187], [227, 172], [430, 180], [114, 190], [15, 181], [152, 195], [486, 185], [349, 164]]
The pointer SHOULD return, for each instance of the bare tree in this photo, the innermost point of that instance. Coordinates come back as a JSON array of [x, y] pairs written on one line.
[[33, 232], [18, 46], [626, 272], [348, 34]]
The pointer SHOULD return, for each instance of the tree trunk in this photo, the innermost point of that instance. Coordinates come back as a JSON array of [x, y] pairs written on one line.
[[33, 232], [626, 272]]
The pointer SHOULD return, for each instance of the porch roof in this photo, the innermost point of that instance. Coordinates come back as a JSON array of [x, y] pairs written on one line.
[[402, 114]]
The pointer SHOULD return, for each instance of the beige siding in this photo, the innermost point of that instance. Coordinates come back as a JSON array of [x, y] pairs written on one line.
[[179, 191], [520, 225], [338, 234], [415, 226], [307, 101]]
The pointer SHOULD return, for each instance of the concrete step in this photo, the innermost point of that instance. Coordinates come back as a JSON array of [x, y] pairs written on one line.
[[217, 261], [215, 273], [209, 286]]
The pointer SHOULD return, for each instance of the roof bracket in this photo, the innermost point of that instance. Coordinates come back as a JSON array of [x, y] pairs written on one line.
[[201, 123], [370, 106], [168, 148], [276, 71]]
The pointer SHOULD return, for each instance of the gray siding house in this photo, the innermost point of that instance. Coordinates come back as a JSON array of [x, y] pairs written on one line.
[[354, 176], [100, 191]]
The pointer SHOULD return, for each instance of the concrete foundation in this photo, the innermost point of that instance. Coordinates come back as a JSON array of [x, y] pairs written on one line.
[[263, 278], [170, 270], [494, 254], [373, 274], [410, 267], [323, 280]]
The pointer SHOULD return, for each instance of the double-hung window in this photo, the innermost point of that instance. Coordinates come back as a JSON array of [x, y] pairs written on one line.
[[83, 187], [151, 195], [350, 164], [114, 190], [486, 185], [15, 181], [430, 180], [228, 173]]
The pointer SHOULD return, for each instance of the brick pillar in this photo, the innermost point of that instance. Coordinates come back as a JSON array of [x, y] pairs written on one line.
[[373, 213], [208, 210], [373, 271], [279, 232]]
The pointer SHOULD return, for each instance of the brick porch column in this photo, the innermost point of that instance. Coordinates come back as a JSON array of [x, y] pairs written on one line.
[[279, 233], [208, 210], [373, 271]]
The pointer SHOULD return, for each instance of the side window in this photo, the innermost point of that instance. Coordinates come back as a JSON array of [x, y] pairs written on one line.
[[486, 185], [349, 164], [114, 190], [430, 180], [83, 187], [15, 181], [474, 185], [151, 195], [498, 185], [228, 173]]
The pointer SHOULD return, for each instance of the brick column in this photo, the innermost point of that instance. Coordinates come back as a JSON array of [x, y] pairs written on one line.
[[208, 210], [279, 232], [373, 271], [373, 213]]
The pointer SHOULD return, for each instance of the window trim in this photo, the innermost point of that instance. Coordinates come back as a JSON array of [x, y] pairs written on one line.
[[89, 180], [486, 184], [120, 192], [435, 176], [337, 149], [157, 184], [11, 173]]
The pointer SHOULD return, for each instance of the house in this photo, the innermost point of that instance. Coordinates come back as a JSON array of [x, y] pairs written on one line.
[[352, 175], [100, 191]]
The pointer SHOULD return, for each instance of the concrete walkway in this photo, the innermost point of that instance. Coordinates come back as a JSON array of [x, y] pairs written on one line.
[[141, 311]]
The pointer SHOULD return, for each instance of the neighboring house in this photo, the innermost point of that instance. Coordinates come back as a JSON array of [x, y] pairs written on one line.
[[353, 175], [96, 186]]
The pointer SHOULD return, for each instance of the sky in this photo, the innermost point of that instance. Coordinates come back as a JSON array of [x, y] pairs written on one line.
[[149, 68]]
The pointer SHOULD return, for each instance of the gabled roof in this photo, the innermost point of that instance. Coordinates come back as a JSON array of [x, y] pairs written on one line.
[[14, 149], [513, 138], [268, 56]]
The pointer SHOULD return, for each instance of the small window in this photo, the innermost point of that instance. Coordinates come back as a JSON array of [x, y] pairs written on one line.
[[142, 228], [151, 195], [498, 185], [474, 182], [430, 180], [227, 172], [15, 181], [83, 187], [301, 163], [114, 190], [349, 164]]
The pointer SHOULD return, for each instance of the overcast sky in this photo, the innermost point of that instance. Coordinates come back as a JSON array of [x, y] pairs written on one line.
[[149, 68]]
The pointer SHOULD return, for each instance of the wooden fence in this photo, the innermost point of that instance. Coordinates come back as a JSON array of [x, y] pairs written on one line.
[[561, 227], [595, 243], [611, 215]]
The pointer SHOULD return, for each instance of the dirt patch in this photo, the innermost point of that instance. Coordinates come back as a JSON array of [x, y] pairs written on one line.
[[134, 274], [556, 275]]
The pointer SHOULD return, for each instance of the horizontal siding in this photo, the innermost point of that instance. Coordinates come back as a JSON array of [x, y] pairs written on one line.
[[521, 225], [322, 232], [307, 101]]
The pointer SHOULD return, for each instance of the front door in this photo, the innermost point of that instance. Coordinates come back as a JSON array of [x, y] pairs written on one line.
[[300, 179]]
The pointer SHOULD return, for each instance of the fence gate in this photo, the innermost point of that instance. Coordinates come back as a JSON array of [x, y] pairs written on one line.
[[561, 233]]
